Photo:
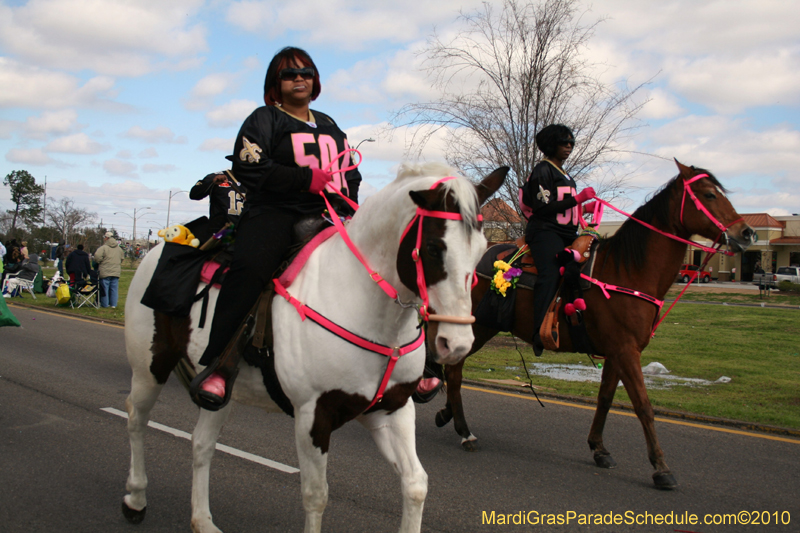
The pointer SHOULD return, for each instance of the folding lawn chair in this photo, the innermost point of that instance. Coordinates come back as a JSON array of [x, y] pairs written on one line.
[[20, 283], [84, 292]]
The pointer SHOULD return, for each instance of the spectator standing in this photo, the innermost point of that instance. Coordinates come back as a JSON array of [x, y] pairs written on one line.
[[78, 263], [60, 249], [2, 257], [109, 267]]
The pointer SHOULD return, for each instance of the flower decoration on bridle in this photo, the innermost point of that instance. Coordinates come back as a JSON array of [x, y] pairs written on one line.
[[506, 275]]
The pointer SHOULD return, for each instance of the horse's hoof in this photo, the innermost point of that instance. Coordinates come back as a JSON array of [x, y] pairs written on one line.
[[442, 419], [664, 481], [605, 461], [470, 445], [132, 515]]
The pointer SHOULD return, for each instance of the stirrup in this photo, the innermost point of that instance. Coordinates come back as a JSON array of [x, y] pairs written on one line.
[[207, 400]]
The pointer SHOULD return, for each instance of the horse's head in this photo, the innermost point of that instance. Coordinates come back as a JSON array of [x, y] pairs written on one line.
[[705, 210], [448, 248]]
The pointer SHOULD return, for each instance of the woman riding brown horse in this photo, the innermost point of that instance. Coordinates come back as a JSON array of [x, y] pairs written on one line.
[[620, 326]]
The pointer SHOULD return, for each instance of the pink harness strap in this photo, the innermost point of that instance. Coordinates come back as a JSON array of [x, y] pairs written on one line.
[[392, 353], [288, 275]]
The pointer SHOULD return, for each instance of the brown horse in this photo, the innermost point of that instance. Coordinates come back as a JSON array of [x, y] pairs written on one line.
[[620, 326]]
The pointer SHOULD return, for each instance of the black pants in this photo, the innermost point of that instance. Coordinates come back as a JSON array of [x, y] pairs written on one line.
[[261, 245], [545, 245]]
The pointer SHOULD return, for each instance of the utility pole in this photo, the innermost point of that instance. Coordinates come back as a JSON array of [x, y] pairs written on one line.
[[44, 211], [169, 204]]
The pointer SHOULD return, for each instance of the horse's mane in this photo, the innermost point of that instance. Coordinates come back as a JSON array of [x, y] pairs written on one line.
[[461, 189], [628, 245]]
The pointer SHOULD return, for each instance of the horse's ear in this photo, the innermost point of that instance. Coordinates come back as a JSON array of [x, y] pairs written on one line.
[[682, 169], [491, 184], [424, 199]]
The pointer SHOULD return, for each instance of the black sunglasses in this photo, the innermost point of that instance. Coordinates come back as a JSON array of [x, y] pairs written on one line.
[[287, 74], [570, 142]]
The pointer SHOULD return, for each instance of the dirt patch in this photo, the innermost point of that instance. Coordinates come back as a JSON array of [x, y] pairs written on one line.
[[700, 289]]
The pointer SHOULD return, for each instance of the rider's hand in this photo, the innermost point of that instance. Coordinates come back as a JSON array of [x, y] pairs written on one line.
[[319, 178], [589, 207], [585, 194]]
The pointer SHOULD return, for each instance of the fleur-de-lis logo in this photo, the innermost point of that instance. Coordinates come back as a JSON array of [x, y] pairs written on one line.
[[251, 153], [543, 196]]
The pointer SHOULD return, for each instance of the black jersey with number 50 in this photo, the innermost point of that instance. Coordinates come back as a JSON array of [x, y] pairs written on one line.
[[275, 152]]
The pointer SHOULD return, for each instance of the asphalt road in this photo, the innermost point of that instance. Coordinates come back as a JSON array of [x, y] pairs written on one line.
[[64, 461]]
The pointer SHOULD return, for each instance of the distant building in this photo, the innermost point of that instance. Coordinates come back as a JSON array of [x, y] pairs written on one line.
[[501, 222]]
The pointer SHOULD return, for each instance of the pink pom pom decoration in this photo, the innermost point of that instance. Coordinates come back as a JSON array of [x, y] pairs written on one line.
[[580, 304], [569, 309], [561, 271]]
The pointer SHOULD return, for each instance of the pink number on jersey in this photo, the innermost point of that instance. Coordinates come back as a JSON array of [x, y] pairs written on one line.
[[570, 214], [299, 140]]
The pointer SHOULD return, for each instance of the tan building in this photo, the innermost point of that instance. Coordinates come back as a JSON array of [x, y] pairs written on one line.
[[778, 245]]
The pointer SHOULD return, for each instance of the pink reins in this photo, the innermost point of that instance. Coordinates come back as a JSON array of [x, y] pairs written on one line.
[[700, 207], [393, 353], [710, 251]]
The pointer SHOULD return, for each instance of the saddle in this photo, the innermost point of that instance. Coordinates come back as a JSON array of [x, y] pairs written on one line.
[[253, 339]]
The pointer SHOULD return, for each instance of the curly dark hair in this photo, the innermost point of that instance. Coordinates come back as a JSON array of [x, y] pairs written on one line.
[[272, 83], [551, 136]]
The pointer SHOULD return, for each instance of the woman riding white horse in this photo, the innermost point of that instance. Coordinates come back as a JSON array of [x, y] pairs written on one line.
[[330, 380]]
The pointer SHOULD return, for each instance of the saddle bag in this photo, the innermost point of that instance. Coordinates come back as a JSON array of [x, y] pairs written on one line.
[[496, 311], [174, 283]]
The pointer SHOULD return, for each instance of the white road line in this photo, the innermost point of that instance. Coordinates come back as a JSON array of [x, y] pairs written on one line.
[[221, 447]]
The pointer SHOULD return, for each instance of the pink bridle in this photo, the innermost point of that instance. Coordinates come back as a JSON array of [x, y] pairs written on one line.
[[422, 285], [686, 190], [709, 250]]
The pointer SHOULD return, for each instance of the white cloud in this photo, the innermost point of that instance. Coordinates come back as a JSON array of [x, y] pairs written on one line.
[[161, 134], [352, 25], [729, 55], [203, 93], [156, 169], [80, 143], [732, 85], [29, 157], [231, 114], [113, 37], [7, 127], [124, 154], [51, 123], [217, 144], [116, 167], [33, 87], [661, 105], [148, 153]]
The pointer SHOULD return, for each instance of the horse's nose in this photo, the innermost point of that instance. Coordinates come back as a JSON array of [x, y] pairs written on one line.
[[750, 235]]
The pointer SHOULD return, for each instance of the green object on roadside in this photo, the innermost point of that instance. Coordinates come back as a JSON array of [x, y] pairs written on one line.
[[38, 283], [7, 318]]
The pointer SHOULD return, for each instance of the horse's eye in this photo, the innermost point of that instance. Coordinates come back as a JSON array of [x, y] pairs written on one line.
[[435, 250], [710, 196]]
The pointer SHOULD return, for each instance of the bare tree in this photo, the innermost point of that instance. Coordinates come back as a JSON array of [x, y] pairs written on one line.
[[515, 68], [68, 219]]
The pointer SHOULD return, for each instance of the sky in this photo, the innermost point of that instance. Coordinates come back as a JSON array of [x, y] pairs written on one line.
[[122, 105]]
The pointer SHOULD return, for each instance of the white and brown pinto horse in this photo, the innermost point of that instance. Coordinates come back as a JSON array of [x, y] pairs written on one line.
[[329, 380]]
